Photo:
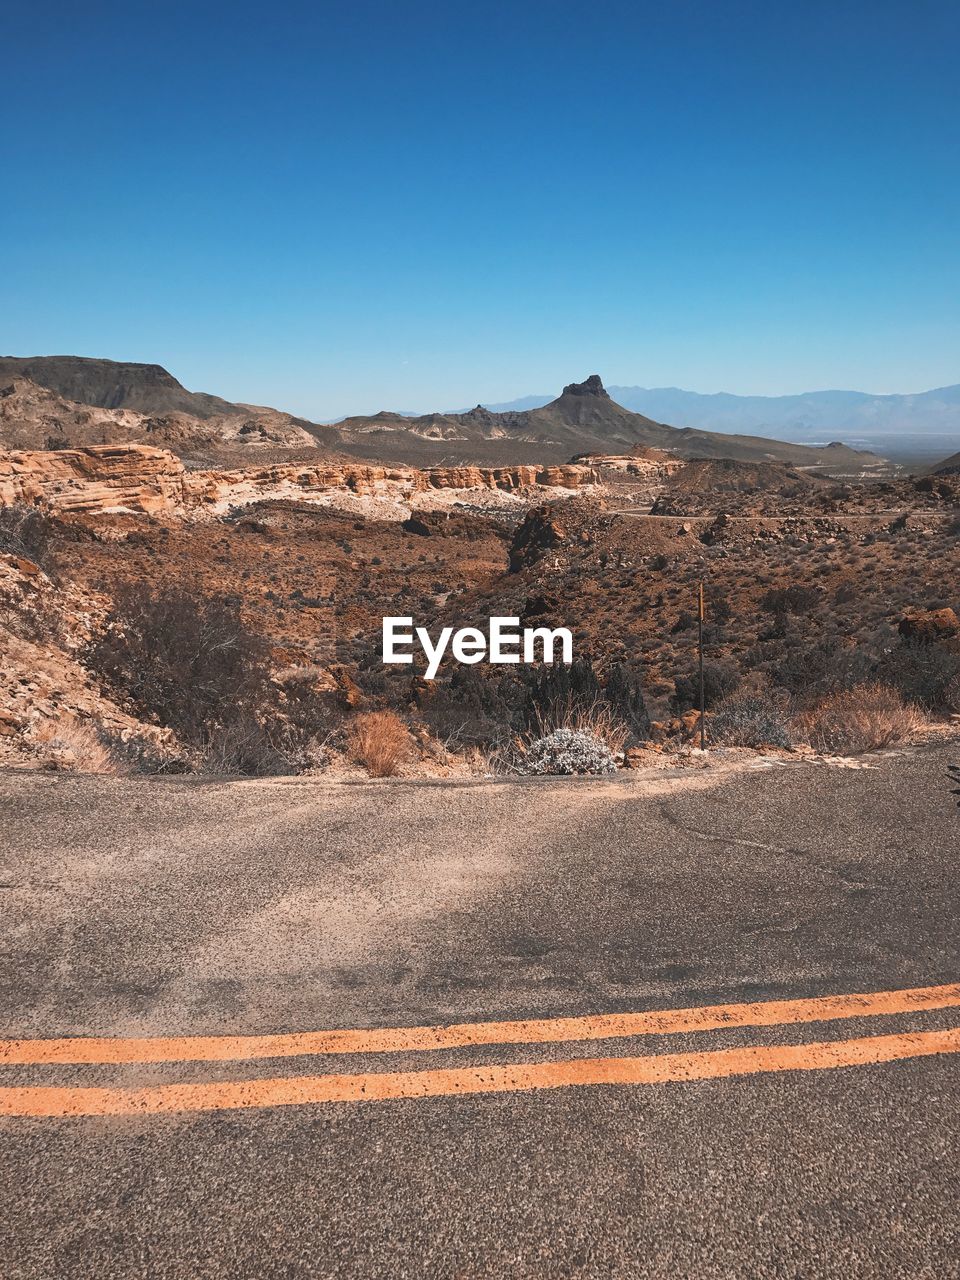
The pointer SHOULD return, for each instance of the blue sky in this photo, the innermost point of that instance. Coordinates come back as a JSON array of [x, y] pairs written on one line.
[[337, 208]]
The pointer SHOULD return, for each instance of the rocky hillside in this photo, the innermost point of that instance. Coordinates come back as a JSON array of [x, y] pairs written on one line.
[[806, 595], [949, 467], [765, 486], [36, 417], [110, 384]]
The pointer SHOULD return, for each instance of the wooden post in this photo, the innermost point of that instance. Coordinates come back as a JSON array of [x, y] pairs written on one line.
[[703, 723]]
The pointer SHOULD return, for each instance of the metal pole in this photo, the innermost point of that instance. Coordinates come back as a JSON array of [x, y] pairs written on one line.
[[703, 725]]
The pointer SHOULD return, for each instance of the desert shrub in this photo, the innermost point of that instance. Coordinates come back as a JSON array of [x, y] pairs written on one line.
[[809, 671], [597, 719], [548, 693], [474, 709], [469, 708], [623, 693], [379, 740], [567, 751], [922, 673], [138, 753], [719, 609], [951, 695], [28, 533], [76, 745], [245, 747], [310, 714], [719, 681], [855, 720], [685, 622], [554, 695], [749, 721], [186, 660], [794, 599]]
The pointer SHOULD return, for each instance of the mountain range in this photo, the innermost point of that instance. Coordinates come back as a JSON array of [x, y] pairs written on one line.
[[51, 401], [926, 422], [583, 419]]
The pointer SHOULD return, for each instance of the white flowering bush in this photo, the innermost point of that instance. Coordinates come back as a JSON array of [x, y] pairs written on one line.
[[566, 751]]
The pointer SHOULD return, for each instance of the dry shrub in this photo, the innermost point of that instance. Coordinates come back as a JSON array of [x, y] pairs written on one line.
[[379, 740], [568, 751], [67, 743], [749, 720], [855, 720], [28, 533], [186, 660], [245, 748]]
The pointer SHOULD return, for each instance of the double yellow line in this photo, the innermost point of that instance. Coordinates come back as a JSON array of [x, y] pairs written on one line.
[[50, 1100]]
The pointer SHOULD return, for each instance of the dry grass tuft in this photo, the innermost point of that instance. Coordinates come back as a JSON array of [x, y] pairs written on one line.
[[72, 744], [866, 718], [380, 741]]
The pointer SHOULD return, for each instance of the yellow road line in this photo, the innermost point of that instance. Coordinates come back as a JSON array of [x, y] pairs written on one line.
[[768, 1013], [51, 1101]]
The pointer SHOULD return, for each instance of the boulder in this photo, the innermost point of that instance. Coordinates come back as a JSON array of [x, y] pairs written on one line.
[[930, 625], [538, 533], [413, 524]]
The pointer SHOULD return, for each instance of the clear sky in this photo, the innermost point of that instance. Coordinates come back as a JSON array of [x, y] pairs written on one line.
[[340, 207]]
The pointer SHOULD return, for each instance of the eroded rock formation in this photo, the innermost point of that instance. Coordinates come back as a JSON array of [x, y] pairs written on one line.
[[107, 477], [140, 478]]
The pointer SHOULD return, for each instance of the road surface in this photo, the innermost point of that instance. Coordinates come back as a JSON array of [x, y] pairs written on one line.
[[539, 1082]]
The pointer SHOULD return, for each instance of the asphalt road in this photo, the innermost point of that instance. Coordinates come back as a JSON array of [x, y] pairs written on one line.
[[157, 909]]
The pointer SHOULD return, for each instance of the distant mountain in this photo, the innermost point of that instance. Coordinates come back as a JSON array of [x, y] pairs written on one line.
[[516, 406], [583, 419], [834, 413], [810, 415]]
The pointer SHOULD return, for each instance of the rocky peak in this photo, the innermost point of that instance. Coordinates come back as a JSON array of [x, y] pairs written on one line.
[[592, 387]]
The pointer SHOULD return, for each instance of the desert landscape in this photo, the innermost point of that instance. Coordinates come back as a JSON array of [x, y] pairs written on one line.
[[191, 585], [195, 586]]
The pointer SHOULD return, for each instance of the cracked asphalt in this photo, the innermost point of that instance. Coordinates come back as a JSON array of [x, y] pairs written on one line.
[[175, 908]]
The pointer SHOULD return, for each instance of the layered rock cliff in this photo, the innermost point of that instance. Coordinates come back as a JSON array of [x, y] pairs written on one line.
[[139, 478], [108, 477]]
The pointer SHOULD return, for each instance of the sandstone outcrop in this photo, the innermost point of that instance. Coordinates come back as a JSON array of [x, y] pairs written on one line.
[[99, 478], [646, 464], [140, 478]]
